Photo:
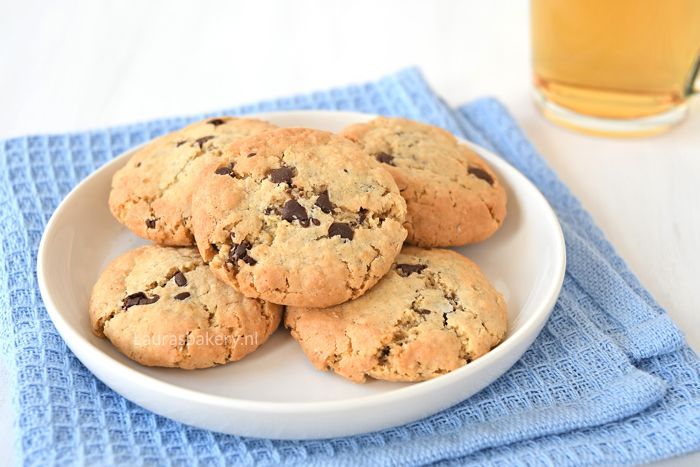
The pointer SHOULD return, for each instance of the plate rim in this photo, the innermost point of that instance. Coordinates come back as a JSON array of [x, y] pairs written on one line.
[[74, 339]]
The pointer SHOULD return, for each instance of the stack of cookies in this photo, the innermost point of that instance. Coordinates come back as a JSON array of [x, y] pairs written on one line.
[[254, 224]]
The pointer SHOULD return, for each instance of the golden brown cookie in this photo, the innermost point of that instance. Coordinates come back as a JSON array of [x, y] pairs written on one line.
[[152, 193], [452, 196], [162, 306], [432, 313], [298, 217]]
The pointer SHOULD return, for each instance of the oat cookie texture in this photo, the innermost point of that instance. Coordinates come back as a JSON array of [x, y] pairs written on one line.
[[151, 194], [432, 313], [298, 217], [162, 306], [453, 196]]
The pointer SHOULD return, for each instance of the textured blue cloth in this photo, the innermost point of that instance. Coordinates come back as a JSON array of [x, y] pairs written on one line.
[[609, 379]]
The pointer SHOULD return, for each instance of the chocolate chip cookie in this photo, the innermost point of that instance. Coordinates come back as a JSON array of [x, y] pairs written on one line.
[[453, 196], [298, 217], [162, 306], [152, 194], [432, 313]]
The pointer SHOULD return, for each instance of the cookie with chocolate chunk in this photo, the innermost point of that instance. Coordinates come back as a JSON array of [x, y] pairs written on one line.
[[453, 196], [152, 193], [162, 306], [432, 313], [298, 217]]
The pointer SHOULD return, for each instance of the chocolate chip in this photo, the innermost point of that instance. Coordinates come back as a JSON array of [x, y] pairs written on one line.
[[383, 353], [362, 215], [482, 174], [239, 251], [406, 270], [151, 223], [214, 247], [385, 158], [293, 210], [282, 175], [138, 298], [133, 299], [182, 296], [226, 170], [315, 221], [180, 279], [423, 311], [252, 154], [180, 143], [340, 229], [203, 140], [216, 122], [324, 202], [150, 300]]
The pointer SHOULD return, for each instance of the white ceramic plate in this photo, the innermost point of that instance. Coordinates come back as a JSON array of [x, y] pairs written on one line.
[[275, 392]]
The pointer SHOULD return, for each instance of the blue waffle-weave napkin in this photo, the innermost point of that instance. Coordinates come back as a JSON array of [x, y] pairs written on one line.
[[609, 379]]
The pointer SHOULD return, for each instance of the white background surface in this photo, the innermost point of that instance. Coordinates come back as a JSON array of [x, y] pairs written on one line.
[[76, 65]]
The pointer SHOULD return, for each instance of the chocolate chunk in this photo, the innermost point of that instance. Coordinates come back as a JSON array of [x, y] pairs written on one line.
[[180, 143], [423, 311], [324, 202], [138, 298], [383, 353], [239, 251], [180, 279], [216, 122], [214, 247], [362, 215], [406, 270], [150, 300], [482, 174], [315, 221], [203, 140], [151, 223], [293, 210], [227, 170], [385, 158], [133, 299], [182, 296], [282, 175], [340, 229]]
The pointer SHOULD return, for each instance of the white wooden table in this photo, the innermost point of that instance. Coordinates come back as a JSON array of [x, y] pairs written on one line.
[[73, 65]]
